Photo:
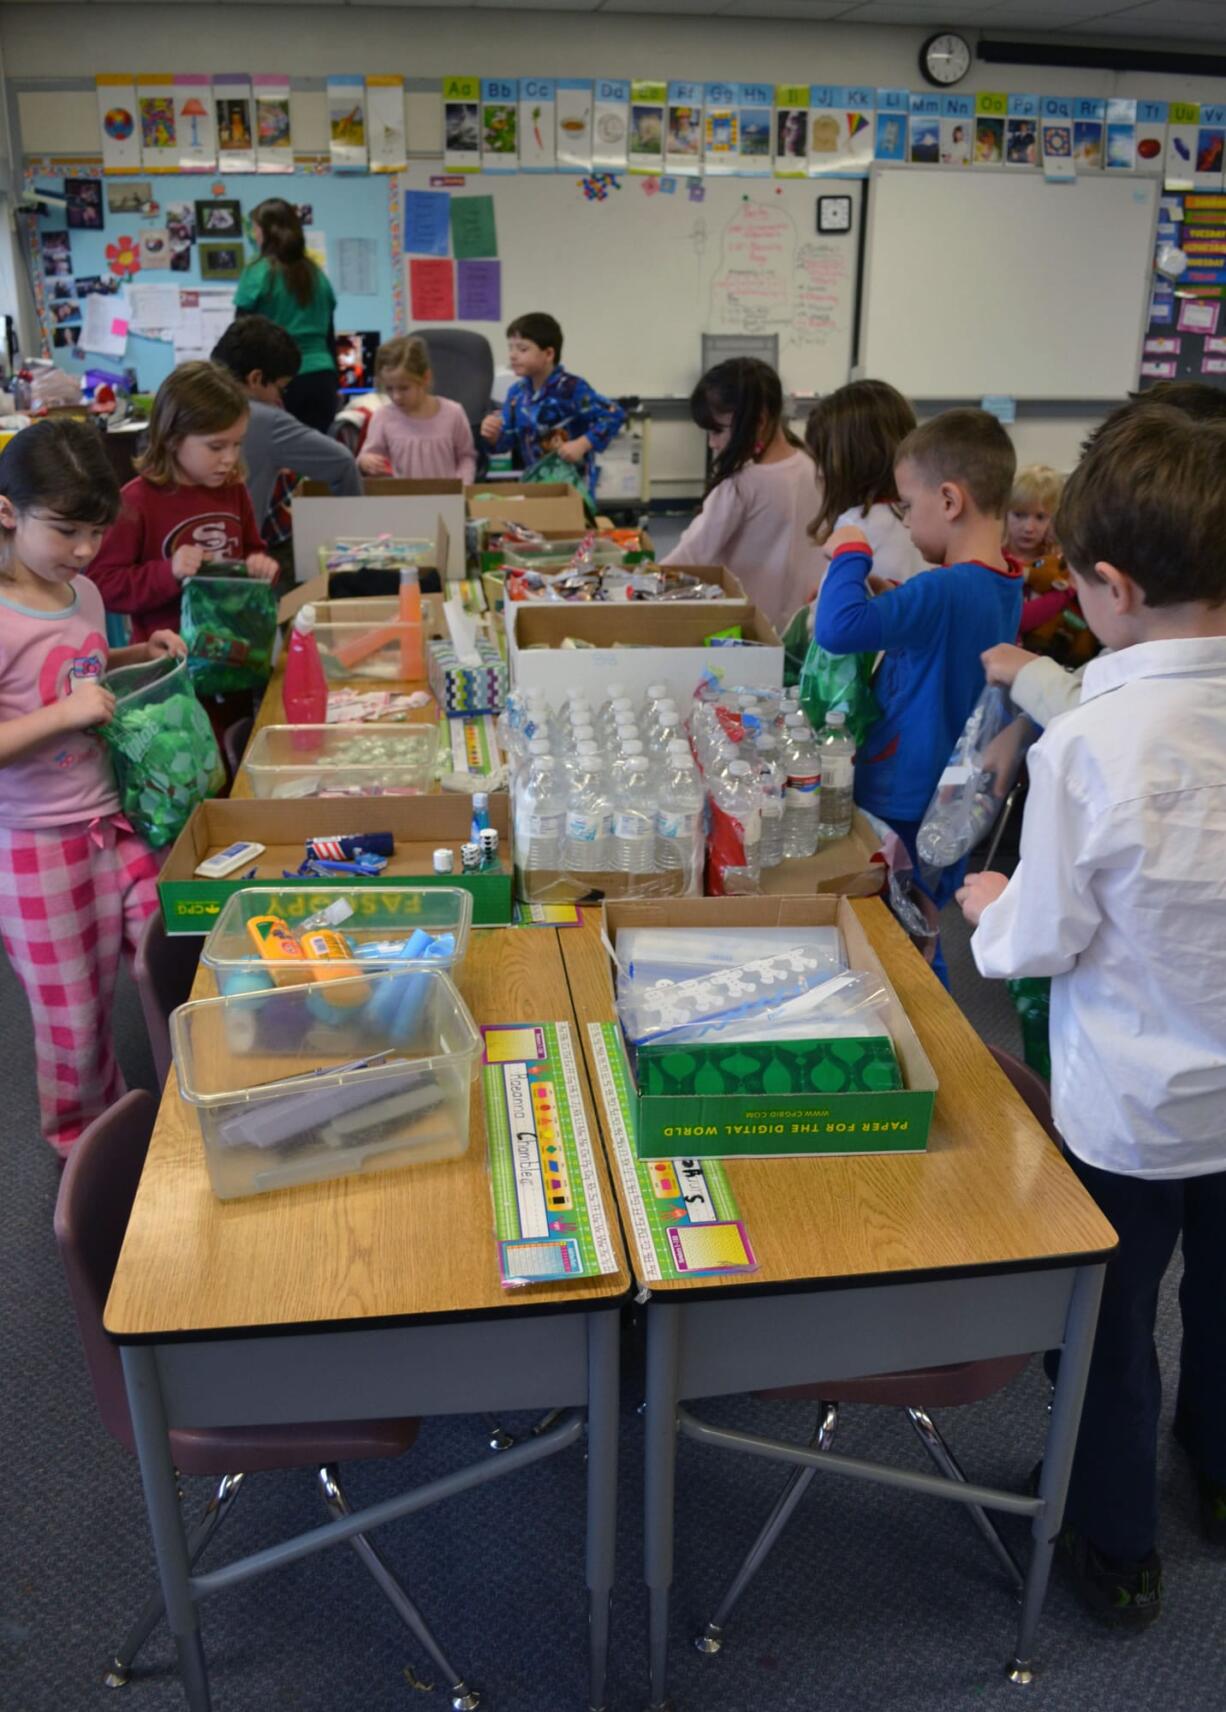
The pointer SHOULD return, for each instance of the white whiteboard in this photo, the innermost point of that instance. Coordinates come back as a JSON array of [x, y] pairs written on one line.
[[998, 282], [637, 279]]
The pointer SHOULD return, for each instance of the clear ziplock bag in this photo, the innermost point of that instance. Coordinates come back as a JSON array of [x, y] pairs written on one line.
[[982, 770]]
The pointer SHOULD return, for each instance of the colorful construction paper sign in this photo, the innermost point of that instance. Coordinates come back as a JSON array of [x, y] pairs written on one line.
[[473, 233], [431, 289], [427, 222], [479, 290]]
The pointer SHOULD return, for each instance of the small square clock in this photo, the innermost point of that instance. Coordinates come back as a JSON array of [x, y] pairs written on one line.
[[834, 213]]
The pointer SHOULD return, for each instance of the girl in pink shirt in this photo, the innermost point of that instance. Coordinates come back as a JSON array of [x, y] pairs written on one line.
[[415, 435], [76, 883]]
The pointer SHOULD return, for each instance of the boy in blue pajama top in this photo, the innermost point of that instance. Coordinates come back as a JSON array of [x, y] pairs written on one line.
[[547, 400], [954, 478]]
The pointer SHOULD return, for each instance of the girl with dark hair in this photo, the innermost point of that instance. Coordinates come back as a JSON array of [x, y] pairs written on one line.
[[76, 883], [854, 434], [286, 286], [759, 498]]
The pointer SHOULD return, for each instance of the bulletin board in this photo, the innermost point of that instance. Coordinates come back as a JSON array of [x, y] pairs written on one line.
[[1186, 335], [356, 217], [637, 269]]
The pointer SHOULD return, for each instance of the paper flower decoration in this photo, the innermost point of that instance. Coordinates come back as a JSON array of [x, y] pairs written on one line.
[[123, 257]]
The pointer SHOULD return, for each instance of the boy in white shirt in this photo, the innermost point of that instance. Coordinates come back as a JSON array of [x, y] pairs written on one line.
[[1120, 896]]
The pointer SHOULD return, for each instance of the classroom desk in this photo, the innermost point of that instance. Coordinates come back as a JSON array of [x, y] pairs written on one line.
[[986, 1245], [363, 1297]]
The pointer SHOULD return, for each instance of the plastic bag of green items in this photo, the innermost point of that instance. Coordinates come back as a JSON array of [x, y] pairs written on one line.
[[229, 624], [839, 683], [163, 748], [1031, 995], [553, 467]]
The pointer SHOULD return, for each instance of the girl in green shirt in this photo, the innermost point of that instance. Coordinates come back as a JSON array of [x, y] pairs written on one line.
[[287, 287]]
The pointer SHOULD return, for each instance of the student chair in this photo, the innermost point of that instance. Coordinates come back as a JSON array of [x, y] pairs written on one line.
[[462, 365], [164, 967], [91, 1215], [917, 1392]]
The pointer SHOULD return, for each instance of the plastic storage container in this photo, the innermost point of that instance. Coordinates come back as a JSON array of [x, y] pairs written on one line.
[[342, 760], [380, 917], [364, 638], [325, 1079]]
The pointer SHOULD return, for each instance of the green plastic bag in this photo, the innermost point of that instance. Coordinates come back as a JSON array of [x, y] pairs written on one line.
[[554, 468], [840, 683], [796, 640], [1031, 995], [163, 748], [229, 625]]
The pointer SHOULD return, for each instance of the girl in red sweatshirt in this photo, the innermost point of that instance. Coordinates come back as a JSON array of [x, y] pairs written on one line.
[[187, 505]]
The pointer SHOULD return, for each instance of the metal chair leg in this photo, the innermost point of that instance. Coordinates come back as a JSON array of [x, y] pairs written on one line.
[[462, 1697], [998, 831], [500, 1438], [932, 1441], [215, 1513], [711, 1639]]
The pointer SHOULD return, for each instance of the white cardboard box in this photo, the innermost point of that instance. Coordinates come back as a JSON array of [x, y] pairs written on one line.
[[412, 511]]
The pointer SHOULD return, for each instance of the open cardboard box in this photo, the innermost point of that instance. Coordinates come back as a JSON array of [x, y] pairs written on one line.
[[318, 586], [637, 643], [722, 1126], [847, 867], [731, 590], [388, 506], [420, 825], [552, 508]]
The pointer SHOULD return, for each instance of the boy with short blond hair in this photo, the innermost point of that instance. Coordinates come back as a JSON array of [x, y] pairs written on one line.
[[1120, 896]]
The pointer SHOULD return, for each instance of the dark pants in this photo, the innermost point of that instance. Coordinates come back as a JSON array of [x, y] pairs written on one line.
[[939, 884], [1113, 1495], [313, 398]]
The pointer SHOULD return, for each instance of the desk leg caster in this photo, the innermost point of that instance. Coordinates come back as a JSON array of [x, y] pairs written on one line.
[[500, 1438], [464, 1699], [117, 1674], [711, 1640], [1020, 1671]]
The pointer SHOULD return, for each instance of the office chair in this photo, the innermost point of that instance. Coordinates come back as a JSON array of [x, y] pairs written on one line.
[[91, 1216], [917, 1392], [164, 968], [462, 364]]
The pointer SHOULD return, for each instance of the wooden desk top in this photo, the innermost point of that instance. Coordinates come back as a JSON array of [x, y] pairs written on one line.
[[990, 1193], [401, 1246]]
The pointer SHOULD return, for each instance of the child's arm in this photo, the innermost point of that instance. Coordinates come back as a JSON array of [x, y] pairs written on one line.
[[848, 622], [89, 704], [155, 647], [318, 456], [373, 459], [130, 582], [597, 419], [708, 536], [1040, 687], [498, 428], [462, 446], [259, 562]]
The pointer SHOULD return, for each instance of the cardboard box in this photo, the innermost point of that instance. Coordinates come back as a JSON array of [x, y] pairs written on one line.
[[420, 825], [724, 1126], [731, 590], [639, 643], [551, 508], [407, 509], [847, 868], [317, 586]]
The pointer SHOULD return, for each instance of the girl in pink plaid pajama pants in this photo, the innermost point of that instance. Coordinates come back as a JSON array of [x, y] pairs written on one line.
[[76, 883]]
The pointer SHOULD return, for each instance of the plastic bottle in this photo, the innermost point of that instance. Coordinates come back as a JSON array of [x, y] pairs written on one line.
[[540, 814], [735, 843], [616, 693], [656, 694], [679, 819], [589, 815], [772, 781], [667, 731], [634, 819], [836, 752], [412, 659], [305, 693], [800, 802]]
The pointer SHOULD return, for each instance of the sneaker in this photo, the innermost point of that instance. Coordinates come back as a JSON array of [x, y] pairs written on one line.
[[1211, 1494], [1127, 1596]]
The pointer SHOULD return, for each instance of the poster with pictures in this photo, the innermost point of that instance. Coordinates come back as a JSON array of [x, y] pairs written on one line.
[[721, 134], [233, 109], [1210, 143], [194, 123], [957, 129], [1120, 141], [57, 255], [645, 146], [610, 123], [347, 123], [1182, 137], [221, 218], [84, 204], [1056, 137], [1151, 137], [385, 134], [499, 124], [274, 138], [840, 129], [1022, 131], [574, 110], [155, 106], [991, 106], [1089, 123], [538, 150], [117, 122], [462, 124], [683, 141], [893, 114], [755, 122], [925, 142], [791, 130]]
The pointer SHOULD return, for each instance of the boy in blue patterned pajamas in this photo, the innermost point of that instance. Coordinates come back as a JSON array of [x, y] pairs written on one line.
[[547, 401]]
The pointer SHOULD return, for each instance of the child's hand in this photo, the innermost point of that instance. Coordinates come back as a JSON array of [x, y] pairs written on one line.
[[979, 891], [574, 451], [186, 562], [164, 642], [847, 536], [491, 426], [374, 464], [262, 567], [89, 704], [1002, 663]]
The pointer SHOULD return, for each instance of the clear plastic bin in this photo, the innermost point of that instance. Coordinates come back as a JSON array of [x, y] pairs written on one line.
[[381, 915], [365, 638], [286, 1093], [342, 760]]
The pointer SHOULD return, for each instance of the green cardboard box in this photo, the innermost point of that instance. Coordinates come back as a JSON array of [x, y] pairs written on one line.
[[420, 825], [821, 1122]]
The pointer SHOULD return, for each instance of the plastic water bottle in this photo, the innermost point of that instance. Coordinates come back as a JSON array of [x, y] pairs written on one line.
[[667, 731], [634, 818], [837, 754], [616, 693], [589, 815], [656, 694], [800, 802], [306, 687], [772, 780], [735, 841], [679, 819], [540, 815]]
